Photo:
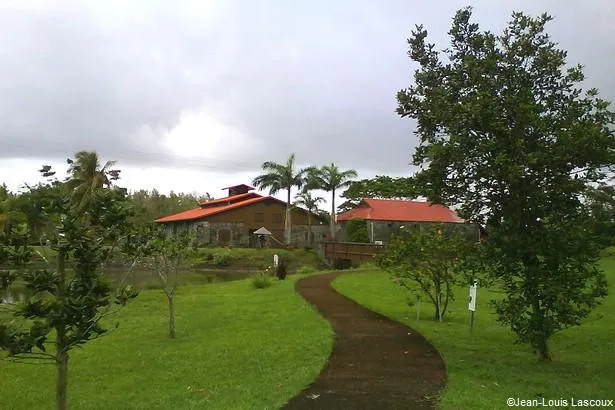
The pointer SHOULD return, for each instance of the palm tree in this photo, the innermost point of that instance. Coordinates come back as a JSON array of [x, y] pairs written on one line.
[[330, 178], [278, 177], [306, 200], [87, 177]]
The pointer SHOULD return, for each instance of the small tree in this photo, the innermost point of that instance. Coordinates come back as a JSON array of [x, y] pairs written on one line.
[[357, 230], [69, 304], [165, 254], [429, 263], [305, 199]]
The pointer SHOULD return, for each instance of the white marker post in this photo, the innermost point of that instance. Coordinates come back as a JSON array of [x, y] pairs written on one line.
[[275, 260], [472, 304]]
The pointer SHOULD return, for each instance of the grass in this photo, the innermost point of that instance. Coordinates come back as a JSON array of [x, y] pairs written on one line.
[[251, 258], [486, 367], [231, 258], [233, 350]]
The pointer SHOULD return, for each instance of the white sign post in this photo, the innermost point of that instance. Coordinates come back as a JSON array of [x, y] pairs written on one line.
[[472, 304], [275, 260]]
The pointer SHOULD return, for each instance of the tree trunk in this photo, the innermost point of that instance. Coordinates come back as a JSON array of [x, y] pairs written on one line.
[[541, 340], [61, 343], [332, 221], [287, 229], [61, 373], [309, 238], [438, 294], [170, 297]]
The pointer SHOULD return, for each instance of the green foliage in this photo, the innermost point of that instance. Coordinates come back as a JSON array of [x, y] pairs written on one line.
[[71, 306], [222, 259], [151, 205], [254, 258], [486, 359], [383, 187], [429, 263], [278, 177], [506, 132], [357, 230], [261, 280], [306, 270], [310, 203], [331, 179], [240, 366], [165, 254]]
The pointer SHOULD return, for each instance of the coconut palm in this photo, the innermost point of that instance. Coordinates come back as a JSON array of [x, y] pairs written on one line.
[[306, 200], [331, 179], [278, 177], [86, 177]]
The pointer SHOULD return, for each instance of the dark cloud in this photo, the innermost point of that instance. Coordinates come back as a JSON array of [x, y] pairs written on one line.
[[316, 78]]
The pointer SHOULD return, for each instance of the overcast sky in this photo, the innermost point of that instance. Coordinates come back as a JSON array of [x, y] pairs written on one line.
[[194, 95]]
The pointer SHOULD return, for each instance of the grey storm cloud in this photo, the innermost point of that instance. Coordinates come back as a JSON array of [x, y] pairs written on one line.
[[316, 78]]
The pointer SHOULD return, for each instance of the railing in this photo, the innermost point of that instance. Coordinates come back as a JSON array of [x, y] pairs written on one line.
[[354, 251]]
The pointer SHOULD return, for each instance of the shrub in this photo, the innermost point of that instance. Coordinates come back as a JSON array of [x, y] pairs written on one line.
[[306, 270], [357, 230], [222, 259], [280, 271], [261, 280]]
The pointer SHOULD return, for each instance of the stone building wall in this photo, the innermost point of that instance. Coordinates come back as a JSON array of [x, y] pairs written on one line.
[[382, 230], [237, 234]]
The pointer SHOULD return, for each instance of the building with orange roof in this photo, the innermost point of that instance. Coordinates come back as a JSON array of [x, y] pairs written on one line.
[[232, 220], [386, 216]]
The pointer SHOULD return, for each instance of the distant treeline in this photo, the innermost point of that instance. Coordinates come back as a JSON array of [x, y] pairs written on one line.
[[24, 207]]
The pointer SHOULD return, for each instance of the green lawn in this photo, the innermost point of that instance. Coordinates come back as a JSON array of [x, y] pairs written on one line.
[[485, 367], [237, 348]]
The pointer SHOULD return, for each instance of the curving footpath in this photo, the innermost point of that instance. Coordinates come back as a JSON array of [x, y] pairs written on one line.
[[375, 364]]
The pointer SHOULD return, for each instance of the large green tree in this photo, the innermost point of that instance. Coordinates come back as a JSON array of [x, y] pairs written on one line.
[[63, 309], [278, 177], [507, 133], [330, 178], [380, 187]]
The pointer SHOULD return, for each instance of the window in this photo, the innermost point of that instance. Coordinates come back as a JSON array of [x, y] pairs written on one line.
[[259, 217], [277, 217]]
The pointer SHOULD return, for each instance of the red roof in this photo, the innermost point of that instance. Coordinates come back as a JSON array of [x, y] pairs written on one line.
[[202, 212], [217, 206], [230, 199], [399, 210]]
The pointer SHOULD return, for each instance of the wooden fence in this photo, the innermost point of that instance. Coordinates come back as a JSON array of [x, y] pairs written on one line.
[[353, 252]]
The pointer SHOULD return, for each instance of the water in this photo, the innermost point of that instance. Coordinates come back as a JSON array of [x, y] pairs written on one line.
[[12, 296], [144, 278]]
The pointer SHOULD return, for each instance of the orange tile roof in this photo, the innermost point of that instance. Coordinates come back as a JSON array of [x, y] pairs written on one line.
[[229, 199], [399, 210], [202, 212]]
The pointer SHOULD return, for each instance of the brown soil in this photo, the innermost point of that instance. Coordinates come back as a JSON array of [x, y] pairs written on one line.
[[375, 364]]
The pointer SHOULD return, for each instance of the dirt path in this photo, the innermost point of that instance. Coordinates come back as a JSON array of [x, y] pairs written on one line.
[[375, 364]]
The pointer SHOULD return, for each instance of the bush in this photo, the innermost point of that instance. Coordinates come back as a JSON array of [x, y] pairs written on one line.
[[280, 271], [261, 280], [357, 230], [222, 259], [306, 270]]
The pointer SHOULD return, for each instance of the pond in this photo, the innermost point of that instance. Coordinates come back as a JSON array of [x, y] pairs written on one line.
[[11, 296], [147, 279]]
